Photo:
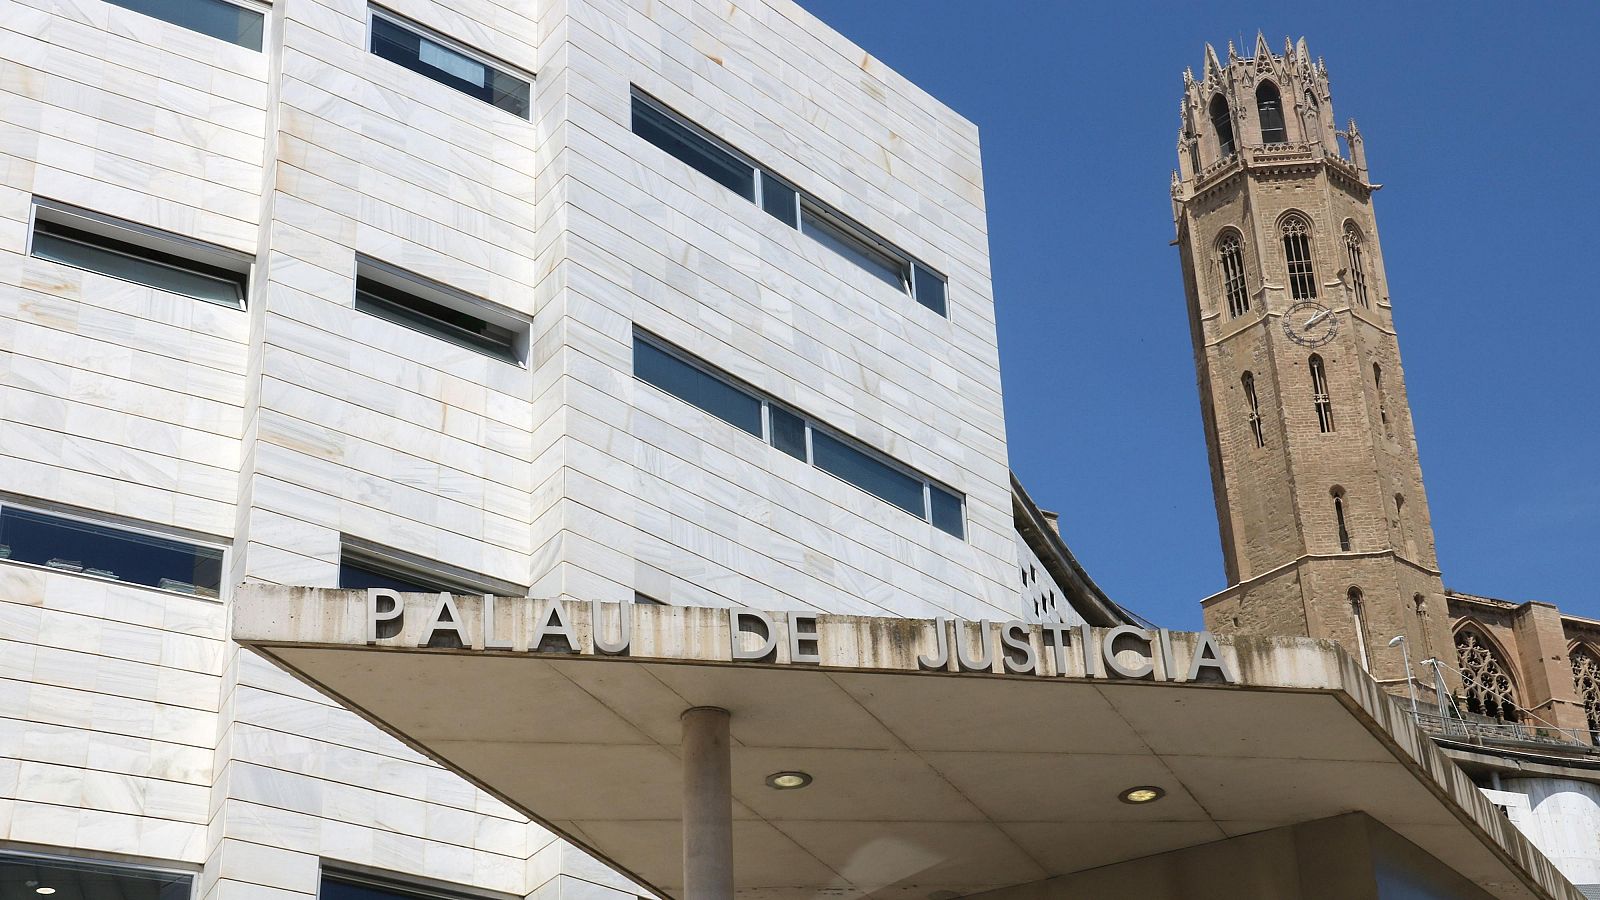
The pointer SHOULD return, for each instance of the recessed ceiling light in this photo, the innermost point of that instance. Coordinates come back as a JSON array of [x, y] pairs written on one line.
[[1146, 793], [788, 781], [44, 890]]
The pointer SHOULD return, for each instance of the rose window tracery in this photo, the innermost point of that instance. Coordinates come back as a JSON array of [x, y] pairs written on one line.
[[1586, 678], [1484, 680]]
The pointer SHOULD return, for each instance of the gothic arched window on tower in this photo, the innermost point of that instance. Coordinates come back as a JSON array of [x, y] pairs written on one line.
[[1358, 271], [1319, 394], [1296, 233], [1231, 257], [1269, 106], [1222, 123], [1484, 682], [1339, 520], [1586, 678], [1360, 614], [1248, 381]]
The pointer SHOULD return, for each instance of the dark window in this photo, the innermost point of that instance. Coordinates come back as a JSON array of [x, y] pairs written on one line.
[[1222, 124], [646, 600], [699, 153], [946, 512], [798, 436], [1297, 257], [780, 200], [788, 432], [929, 287], [339, 886], [105, 551], [696, 387], [1358, 269], [726, 166], [420, 50], [1269, 106], [357, 574], [1253, 404], [1383, 401], [130, 252], [422, 306], [1233, 283], [1338, 515], [858, 250], [216, 18], [867, 472], [1319, 394], [51, 878]]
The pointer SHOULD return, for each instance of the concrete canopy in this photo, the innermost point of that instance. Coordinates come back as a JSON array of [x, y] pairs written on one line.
[[925, 781]]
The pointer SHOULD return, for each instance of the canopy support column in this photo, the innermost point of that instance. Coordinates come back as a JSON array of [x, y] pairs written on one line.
[[707, 805]]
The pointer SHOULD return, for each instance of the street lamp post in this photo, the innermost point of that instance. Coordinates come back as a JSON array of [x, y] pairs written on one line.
[[1411, 684]]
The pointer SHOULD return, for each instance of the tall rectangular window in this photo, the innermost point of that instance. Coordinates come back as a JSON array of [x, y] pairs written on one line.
[[440, 311], [448, 62], [132, 252], [102, 550], [737, 172], [1319, 394], [797, 435], [220, 19]]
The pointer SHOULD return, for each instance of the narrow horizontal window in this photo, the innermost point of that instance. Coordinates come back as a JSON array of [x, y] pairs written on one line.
[[434, 309], [39, 877], [696, 387], [102, 550], [878, 264], [797, 435], [689, 147], [868, 473], [780, 199], [432, 55], [132, 252], [349, 886], [217, 18]]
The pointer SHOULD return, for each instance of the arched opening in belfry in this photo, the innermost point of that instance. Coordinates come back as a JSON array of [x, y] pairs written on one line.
[[1269, 109], [1222, 123]]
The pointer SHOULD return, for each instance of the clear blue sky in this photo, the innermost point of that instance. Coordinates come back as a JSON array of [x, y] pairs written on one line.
[[1481, 119]]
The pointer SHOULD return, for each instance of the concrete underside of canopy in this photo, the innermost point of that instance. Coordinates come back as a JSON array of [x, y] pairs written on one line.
[[925, 781]]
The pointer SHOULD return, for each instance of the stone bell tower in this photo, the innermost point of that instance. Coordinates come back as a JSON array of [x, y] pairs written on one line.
[[1325, 528]]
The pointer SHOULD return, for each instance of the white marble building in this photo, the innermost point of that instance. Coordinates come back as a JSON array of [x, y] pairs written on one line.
[[530, 195]]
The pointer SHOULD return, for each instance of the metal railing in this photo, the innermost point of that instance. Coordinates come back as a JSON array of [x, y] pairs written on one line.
[[1502, 732]]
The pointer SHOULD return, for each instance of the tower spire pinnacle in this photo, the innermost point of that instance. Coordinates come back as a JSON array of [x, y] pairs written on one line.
[[1213, 65], [1263, 52]]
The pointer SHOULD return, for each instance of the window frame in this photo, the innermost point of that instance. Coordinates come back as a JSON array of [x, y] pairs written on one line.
[[811, 424], [1295, 232], [119, 523], [431, 575], [804, 201], [261, 9], [494, 63], [1235, 280], [405, 885], [92, 858], [206, 259], [440, 294]]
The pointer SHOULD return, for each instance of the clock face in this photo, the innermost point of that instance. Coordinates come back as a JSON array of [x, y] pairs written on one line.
[[1310, 324]]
